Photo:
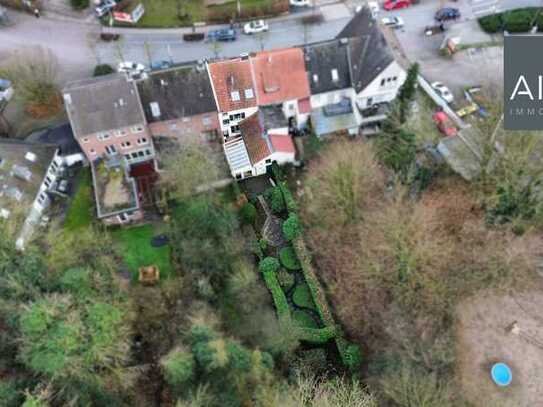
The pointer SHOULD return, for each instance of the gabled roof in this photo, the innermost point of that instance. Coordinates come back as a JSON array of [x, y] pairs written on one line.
[[176, 93], [101, 104], [369, 52], [280, 76], [61, 136], [232, 82], [253, 135], [321, 59]]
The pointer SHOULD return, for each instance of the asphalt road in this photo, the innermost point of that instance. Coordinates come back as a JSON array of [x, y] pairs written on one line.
[[481, 8]]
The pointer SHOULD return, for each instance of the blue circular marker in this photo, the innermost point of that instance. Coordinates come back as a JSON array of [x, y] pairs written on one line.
[[501, 374]]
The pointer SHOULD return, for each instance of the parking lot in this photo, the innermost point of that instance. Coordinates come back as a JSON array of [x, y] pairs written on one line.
[[479, 65]]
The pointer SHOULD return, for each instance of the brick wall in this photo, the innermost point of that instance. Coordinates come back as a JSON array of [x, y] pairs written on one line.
[[198, 124]]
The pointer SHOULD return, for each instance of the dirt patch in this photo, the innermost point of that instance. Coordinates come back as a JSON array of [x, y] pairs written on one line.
[[484, 338]]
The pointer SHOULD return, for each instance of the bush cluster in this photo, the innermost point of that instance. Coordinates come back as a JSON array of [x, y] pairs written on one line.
[[103, 69], [292, 227], [269, 265], [248, 213], [514, 21], [288, 258]]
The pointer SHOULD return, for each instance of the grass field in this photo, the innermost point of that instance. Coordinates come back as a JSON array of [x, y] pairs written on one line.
[[80, 213], [134, 246], [166, 13]]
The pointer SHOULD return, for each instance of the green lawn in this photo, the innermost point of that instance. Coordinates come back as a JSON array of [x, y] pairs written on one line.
[[165, 13], [303, 319], [134, 246], [302, 296], [81, 210]]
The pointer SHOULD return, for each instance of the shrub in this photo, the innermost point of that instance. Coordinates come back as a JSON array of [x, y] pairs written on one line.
[[275, 198], [9, 395], [288, 258], [317, 336], [193, 37], [517, 21], [248, 213], [302, 296], [256, 248], [79, 4], [491, 24], [178, 366], [304, 319], [349, 353], [286, 280], [269, 265], [278, 295], [292, 227], [103, 69]]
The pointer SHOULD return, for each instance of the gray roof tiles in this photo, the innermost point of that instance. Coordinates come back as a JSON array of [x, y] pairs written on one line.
[[102, 104]]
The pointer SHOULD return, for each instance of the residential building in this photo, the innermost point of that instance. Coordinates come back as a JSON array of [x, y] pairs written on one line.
[[178, 102], [235, 94], [108, 121], [356, 68], [29, 174], [257, 146], [375, 74], [280, 79]]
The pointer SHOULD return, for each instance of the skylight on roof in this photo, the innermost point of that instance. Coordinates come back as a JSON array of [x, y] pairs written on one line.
[[235, 96], [155, 109], [315, 78], [249, 94], [335, 75]]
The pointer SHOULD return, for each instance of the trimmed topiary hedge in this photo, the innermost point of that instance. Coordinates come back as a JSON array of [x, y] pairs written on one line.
[[275, 198], [278, 295], [317, 335], [288, 258], [292, 227], [269, 265], [302, 296]]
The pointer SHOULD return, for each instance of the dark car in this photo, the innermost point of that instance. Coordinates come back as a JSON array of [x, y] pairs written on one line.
[[447, 13], [226, 34]]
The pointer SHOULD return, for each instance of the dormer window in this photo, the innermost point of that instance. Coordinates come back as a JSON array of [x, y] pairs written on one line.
[[249, 94], [235, 96], [315, 78], [335, 75]]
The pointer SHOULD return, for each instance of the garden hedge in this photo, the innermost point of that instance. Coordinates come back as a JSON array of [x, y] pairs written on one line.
[[514, 21], [317, 335], [269, 265], [288, 258], [278, 295], [292, 227], [248, 213]]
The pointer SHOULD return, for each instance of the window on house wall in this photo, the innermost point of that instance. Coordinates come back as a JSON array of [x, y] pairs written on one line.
[[137, 129], [142, 141], [111, 150], [234, 129], [126, 144], [235, 96], [85, 139], [383, 82], [206, 121], [103, 136], [242, 115], [41, 198], [92, 151], [127, 157], [249, 94], [119, 133], [226, 122], [147, 152], [369, 102]]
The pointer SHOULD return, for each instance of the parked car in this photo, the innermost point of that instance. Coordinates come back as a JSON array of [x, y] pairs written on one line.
[[225, 34], [443, 91], [105, 7], [254, 27], [396, 4], [393, 22], [444, 124], [300, 3], [447, 13], [131, 68], [157, 65]]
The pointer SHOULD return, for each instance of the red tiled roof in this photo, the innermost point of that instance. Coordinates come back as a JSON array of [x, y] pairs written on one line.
[[280, 76], [229, 76], [282, 143], [252, 134]]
